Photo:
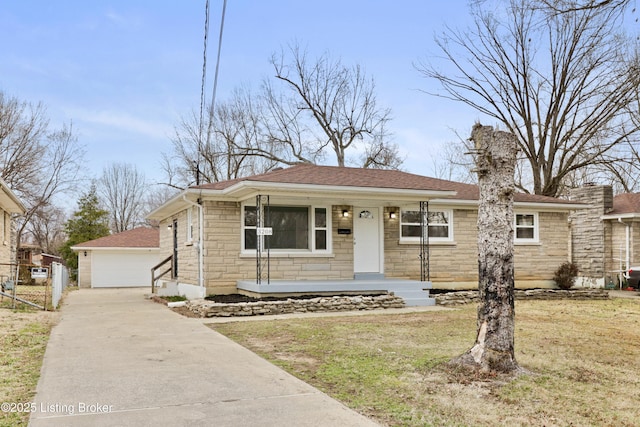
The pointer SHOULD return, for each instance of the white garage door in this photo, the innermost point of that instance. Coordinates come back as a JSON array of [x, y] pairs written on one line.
[[116, 269]]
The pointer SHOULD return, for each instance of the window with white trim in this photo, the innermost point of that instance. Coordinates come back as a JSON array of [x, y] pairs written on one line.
[[294, 228], [526, 227], [440, 226]]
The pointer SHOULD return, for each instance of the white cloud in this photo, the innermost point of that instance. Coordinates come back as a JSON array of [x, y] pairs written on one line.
[[123, 122]]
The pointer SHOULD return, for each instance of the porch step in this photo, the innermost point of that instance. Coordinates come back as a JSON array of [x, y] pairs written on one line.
[[368, 276], [414, 298]]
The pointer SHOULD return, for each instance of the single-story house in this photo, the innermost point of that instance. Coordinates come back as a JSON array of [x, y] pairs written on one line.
[[606, 236], [118, 260], [10, 206], [307, 224]]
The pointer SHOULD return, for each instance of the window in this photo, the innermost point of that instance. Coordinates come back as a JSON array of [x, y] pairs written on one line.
[[320, 221], [526, 227], [293, 228], [439, 225]]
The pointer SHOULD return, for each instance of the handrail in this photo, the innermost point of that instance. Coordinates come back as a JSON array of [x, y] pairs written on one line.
[[154, 278]]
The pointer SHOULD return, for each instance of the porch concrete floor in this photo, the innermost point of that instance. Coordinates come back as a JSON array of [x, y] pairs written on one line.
[[344, 285], [414, 292]]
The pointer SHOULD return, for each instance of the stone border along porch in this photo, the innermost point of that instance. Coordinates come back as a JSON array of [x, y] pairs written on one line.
[[467, 297], [204, 308]]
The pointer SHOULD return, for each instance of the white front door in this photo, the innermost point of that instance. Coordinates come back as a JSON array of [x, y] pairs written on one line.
[[366, 240]]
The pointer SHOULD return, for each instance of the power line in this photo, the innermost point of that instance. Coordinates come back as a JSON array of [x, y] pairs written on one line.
[[202, 90], [203, 85]]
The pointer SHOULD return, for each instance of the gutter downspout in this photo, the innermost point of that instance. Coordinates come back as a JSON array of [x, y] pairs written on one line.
[[200, 245], [627, 257]]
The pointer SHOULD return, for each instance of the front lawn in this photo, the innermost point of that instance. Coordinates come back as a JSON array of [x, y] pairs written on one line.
[[24, 334], [583, 359]]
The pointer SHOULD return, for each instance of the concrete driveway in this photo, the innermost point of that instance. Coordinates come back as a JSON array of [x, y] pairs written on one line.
[[118, 359]]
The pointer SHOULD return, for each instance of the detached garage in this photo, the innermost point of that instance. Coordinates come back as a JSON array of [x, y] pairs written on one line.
[[119, 260]]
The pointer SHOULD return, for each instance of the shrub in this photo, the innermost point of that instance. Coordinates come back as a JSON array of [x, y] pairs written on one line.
[[565, 275]]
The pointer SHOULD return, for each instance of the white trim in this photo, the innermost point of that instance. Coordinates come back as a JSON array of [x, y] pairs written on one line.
[[111, 248], [311, 216], [632, 215], [379, 212], [537, 206], [432, 240], [535, 227]]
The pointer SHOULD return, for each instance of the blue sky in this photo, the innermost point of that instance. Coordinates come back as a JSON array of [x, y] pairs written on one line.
[[126, 71]]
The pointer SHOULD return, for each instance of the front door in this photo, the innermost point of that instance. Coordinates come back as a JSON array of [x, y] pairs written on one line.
[[366, 240]]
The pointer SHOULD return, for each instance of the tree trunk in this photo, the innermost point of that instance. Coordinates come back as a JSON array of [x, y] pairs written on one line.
[[495, 164]]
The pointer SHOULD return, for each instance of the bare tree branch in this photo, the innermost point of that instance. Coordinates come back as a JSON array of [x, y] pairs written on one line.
[[562, 83], [122, 189]]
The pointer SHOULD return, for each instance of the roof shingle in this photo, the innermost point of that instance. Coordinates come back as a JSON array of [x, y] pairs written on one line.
[[369, 178], [626, 203], [142, 237]]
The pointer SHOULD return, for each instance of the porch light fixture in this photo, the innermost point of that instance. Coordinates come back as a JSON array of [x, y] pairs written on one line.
[[170, 226], [345, 213], [393, 215], [85, 253]]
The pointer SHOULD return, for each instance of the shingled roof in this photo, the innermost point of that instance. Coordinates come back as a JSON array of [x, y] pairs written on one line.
[[142, 237], [310, 174], [627, 203]]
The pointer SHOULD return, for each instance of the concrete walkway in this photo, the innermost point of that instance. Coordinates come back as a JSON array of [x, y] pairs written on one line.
[[118, 359]]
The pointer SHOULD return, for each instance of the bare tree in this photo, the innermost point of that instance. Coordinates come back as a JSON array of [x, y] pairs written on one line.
[[563, 83], [22, 127], [122, 191], [233, 148], [46, 229], [38, 163], [334, 105], [568, 6], [495, 159], [310, 110]]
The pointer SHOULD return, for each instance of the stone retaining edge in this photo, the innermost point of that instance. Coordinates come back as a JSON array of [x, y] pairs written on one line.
[[467, 297], [204, 308]]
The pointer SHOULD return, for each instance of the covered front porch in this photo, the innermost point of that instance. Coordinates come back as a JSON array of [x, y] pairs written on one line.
[[413, 292]]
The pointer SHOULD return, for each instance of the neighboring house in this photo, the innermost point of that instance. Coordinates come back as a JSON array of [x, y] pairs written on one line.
[[325, 223], [10, 206], [607, 235], [118, 260], [29, 253]]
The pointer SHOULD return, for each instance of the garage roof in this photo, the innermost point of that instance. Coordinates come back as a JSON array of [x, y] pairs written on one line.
[[142, 237]]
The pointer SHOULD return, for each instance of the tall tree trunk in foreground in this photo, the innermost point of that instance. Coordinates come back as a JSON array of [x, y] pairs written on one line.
[[495, 153]]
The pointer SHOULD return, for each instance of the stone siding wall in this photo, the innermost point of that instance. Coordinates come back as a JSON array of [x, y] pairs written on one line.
[[204, 308], [455, 265], [187, 251], [589, 233], [616, 249], [225, 263], [6, 255], [84, 269]]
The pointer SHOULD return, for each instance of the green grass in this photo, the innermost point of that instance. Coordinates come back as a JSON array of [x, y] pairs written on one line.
[[582, 358], [23, 339]]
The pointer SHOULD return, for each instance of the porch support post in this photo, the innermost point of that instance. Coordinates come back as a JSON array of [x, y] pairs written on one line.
[[263, 265], [425, 267]]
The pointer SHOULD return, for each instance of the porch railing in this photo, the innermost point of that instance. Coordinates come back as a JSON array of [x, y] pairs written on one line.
[[155, 268]]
